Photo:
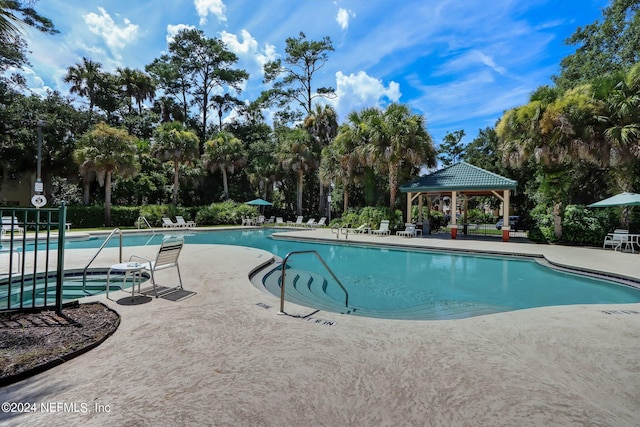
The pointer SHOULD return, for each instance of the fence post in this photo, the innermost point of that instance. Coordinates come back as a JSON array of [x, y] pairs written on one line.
[[62, 223]]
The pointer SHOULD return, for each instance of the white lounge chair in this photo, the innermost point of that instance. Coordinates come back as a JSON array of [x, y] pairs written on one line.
[[271, 220], [310, 223], [409, 231], [618, 239], [297, 223], [167, 258], [167, 223], [10, 224], [182, 223], [383, 230], [279, 221], [364, 228], [321, 223]]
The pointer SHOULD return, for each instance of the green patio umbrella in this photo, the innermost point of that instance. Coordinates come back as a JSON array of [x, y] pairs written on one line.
[[258, 202], [622, 199]]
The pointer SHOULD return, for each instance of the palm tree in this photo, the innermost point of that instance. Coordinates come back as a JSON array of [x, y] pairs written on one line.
[[400, 140], [85, 80], [322, 125], [107, 151], [224, 103], [295, 152], [173, 143], [224, 152]]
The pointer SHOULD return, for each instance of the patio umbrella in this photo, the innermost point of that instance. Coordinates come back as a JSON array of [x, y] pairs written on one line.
[[258, 202], [622, 199]]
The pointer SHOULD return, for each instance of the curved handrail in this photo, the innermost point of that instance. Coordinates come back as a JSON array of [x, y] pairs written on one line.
[[143, 219], [84, 272], [283, 275]]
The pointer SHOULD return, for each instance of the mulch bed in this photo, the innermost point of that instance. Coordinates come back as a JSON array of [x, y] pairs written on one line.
[[33, 342]]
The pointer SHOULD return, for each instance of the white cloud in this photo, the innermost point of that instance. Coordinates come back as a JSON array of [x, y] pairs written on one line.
[[469, 61], [343, 16], [247, 47], [248, 44], [114, 36], [173, 30], [35, 84], [357, 91], [215, 7]]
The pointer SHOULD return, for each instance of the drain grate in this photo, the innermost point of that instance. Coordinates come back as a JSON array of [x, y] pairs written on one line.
[[620, 312]]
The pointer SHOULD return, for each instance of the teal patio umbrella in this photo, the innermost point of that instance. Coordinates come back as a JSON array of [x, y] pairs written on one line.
[[622, 199], [259, 202]]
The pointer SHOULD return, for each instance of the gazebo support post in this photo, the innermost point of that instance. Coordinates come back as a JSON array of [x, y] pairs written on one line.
[[454, 214], [506, 225]]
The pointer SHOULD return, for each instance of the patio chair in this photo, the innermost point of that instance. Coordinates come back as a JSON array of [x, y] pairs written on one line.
[[167, 223], [409, 231], [279, 221], [167, 258], [321, 223], [260, 220], [364, 228], [271, 220], [617, 239], [383, 230], [10, 224], [297, 223], [182, 223], [310, 223]]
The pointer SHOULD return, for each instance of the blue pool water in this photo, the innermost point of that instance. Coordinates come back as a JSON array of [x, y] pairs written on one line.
[[413, 284]]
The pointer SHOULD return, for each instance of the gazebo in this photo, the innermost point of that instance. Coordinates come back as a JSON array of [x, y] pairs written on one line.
[[460, 180]]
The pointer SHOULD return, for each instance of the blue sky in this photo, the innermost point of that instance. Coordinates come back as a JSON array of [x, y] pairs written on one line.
[[459, 63]]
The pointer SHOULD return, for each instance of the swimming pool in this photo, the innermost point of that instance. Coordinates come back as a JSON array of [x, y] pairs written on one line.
[[409, 284]]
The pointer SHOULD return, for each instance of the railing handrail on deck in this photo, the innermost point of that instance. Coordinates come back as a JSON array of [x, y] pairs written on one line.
[[86, 268], [283, 275]]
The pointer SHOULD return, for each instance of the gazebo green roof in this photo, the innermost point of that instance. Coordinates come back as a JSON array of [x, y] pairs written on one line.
[[462, 177]]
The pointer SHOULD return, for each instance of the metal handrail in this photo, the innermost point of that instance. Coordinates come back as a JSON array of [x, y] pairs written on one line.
[[146, 222], [84, 272], [283, 275]]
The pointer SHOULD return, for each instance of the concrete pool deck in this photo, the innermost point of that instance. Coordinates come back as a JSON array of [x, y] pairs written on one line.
[[224, 357]]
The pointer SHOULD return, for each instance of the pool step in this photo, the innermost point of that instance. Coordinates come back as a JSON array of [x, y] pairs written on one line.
[[311, 290]]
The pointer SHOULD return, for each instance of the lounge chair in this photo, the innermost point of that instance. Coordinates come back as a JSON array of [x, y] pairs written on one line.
[[617, 239], [364, 228], [182, 223], [409, 231], [383, 230], [167, 223], [10, 224], [310, 223], [271, 220], [259, 220], [167, 258], [297, 223], [321, 223], [279, 221]]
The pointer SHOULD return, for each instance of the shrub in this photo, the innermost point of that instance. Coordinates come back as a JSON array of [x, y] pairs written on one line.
[[585, 226], [228, 212]]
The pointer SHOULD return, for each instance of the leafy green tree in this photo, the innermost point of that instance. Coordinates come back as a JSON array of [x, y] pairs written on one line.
[[292, 76], [226, 153], [173, 143], [606, 46], [137, 86], [169, 73], [224, 103], [107, 151], [14, 17], [208, 64], [451, 149]]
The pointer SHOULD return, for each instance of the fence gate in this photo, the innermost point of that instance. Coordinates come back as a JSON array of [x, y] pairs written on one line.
[[32, 258]]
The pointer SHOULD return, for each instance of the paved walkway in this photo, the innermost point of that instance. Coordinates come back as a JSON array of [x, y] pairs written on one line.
[[224, 357]]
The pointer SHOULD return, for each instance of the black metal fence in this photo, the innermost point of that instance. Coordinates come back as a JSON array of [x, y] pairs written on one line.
[[30, 240]]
